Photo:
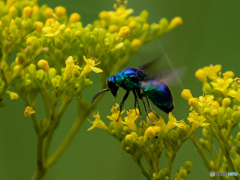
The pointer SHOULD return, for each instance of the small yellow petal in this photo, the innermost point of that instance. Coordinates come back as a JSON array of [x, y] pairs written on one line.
[[28, 111]]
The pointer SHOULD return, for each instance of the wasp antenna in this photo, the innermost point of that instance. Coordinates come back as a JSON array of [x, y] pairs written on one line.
[[99, 94]]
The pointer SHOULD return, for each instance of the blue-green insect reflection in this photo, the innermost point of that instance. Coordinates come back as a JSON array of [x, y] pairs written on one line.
[[136, 80]]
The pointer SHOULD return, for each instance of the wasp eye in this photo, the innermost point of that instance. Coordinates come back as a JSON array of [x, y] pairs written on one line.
[[111, 84], [111, 81]]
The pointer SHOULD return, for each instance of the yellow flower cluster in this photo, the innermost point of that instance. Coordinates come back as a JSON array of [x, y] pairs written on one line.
[[218, 111], [146, 140], [55, 55]]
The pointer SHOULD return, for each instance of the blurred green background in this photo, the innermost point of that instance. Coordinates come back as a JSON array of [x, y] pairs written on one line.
[[210, 34]]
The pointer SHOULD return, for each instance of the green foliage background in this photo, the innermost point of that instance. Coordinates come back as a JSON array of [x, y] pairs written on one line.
[[210, 34]]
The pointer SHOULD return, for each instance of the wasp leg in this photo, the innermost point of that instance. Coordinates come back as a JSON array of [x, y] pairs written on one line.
[[122, 103], [140, 97], [149, 105], [136, 102]]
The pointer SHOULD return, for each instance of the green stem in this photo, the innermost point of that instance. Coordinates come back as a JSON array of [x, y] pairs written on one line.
[[50, 128], [232, 167], [141, 166], [219, 159], [174, 153], [201, 152], [41, 169], [75, 128]]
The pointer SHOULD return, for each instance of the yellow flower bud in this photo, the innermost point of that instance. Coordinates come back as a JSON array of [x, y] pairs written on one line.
[[112, 28], [12, 11], [124, 32], [133, 24], [131, 18], [193, 102], [150, 131], [128, 148], [163, 23], [186, 94], [75, 17], [129, 137], [226, 102], [39, 26], [12, 22], [48, 13], [201, 75], [228, 74], [104, 15], [215, 104], [157, 128], [206, 110], [16, 68], [136, 43], [1, 24], [28, 111], [202, 142], [214, 113], [60, 11], [49, 22], [76, 73], [177, 21], [188, 165], [21, 58], [29, 40], [13, 96], [27, 12], [16, 60], [43, 64], [182, 174], [211, 164], [151, 115], [78, 34], [35, 9], [67, 30]]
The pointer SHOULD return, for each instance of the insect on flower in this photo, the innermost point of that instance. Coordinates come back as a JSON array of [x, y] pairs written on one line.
[[153, 87]]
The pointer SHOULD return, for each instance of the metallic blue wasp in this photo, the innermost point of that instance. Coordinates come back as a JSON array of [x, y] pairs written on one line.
[[135, 80]]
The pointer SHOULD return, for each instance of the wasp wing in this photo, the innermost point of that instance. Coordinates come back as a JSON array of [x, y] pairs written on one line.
[[171, 76]]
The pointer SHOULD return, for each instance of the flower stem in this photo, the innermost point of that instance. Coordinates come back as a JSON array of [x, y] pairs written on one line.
[[75, 128], [41, 169], [141, 166], [229, 160], [201, 152]]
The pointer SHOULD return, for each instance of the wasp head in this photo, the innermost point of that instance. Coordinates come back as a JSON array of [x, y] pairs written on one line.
[[112, 85], [111, 82]]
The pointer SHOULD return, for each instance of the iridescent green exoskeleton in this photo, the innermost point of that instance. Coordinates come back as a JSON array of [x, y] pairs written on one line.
[[136, 80]]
